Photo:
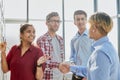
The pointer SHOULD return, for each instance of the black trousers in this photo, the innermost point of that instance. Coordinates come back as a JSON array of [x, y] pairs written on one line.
[[74, 77]]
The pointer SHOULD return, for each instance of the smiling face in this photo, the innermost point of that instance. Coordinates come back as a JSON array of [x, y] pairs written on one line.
[[53, 24], [27, 34], [80, 21]]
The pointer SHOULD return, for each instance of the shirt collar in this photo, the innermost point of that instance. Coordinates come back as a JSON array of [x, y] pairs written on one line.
[[100, 41], [49, 37], [30, 49], [84, 33]]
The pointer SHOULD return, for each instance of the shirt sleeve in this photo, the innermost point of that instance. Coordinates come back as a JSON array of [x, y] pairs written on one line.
[[79, 70], [100, 69], [72, 55]]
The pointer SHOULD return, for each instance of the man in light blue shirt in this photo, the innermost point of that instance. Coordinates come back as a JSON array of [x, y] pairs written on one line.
[[80, 48], [103, 63], [80, 43]]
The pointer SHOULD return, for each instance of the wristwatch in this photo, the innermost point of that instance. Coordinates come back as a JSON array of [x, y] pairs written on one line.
[[40, 65]]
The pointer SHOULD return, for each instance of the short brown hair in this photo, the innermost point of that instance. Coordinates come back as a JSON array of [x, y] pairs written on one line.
[[50, 15], [79, 12]]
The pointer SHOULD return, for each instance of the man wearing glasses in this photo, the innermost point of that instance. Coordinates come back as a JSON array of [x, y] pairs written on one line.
[[52, 45]]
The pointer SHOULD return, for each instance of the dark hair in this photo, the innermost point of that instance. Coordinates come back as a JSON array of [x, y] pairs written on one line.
[[50, 15], [79, 12], [24, 27]]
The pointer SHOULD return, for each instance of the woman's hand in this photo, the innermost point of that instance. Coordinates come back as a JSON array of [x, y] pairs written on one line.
[[43, 59], [3, 47]]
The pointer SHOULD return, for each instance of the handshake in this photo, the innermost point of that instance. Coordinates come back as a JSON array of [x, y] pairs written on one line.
[[64, 67]]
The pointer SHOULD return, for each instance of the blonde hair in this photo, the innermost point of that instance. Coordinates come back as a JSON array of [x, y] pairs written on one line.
[[102, 22]]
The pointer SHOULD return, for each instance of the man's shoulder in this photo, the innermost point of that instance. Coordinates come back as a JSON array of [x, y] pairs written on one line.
[[74, 37], [59, 37], [42, 37]]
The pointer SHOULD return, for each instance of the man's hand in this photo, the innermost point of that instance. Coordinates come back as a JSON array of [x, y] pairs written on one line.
[[64, 67]]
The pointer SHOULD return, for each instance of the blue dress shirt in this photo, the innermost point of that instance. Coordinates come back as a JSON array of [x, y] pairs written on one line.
[[103, 63], [80, 48]]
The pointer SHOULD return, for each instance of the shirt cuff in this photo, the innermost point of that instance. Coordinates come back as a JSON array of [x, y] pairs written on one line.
[[79, 70], [73, 69]]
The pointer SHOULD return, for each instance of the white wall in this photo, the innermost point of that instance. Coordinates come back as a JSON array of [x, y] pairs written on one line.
[[39, 9]]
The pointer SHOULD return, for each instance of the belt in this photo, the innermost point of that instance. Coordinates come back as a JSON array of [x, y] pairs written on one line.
[[78, 77]]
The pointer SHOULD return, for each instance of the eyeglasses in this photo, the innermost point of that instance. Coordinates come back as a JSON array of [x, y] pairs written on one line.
[[55, 21]]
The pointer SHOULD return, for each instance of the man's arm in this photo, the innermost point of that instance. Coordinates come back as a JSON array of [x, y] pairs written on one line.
[[72, 54], [78, 70]]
